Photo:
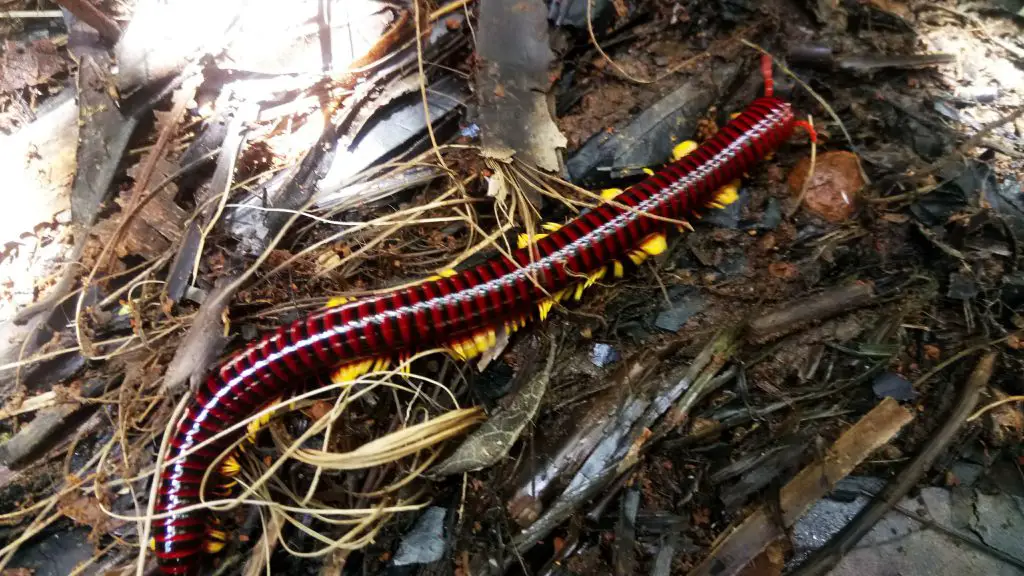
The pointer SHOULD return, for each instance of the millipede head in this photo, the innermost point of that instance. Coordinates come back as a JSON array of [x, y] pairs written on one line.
[[806, 126]]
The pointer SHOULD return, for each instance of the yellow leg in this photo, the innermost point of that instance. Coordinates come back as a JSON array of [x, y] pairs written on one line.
[[726, 194]]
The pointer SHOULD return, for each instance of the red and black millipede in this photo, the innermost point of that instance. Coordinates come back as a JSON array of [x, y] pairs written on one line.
[[453, 311]]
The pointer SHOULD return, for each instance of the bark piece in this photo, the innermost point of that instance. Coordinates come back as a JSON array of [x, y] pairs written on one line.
[[513, 83]]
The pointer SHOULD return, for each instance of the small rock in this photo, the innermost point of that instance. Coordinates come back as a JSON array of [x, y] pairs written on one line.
[[772, 216], [894, 386], [425, 543], [63, 217], [966, 473], [603, 354], [962, 287], [681, 311], [197, 295], [835, 184]]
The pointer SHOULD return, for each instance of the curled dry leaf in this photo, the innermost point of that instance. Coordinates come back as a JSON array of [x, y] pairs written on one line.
[[833, 191], [85, 510], [1006, 422]]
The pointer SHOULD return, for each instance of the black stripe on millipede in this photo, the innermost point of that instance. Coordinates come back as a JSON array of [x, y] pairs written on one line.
[[314, 329], [399, 301], [264, 374], [279, 342], [236, 402], [300, 340], [273, 346], [612, 239], [659, 180], [481, 305], [388, 323], [493, 294], [218, 402]]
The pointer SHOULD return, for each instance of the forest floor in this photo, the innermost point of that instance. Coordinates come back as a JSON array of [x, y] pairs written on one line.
[[823, 376]]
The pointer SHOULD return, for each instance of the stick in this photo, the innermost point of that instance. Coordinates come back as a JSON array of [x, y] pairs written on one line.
[[85, 11], [819, 307]]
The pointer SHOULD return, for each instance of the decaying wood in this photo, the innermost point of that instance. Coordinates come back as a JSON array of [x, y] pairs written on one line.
[[203, 343], [515, 113], [630, 435], [50, 425]]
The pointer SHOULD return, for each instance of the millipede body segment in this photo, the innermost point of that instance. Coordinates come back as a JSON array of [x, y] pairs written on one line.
[[460, 311]]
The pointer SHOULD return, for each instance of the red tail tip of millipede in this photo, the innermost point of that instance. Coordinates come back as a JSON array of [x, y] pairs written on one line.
[[766, 72]]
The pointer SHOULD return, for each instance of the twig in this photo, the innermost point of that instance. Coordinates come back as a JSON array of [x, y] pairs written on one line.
[[622, 445], [810, 174], [449, 8], [49, 425], [237, 131], [597, 46], [138, 198], [819, 307], [423, 85], [88, 13], [828, 556], [37, 402], [954, 358], [19, 14], [995, 405], [701, 373], [202, 344], [672, 70]]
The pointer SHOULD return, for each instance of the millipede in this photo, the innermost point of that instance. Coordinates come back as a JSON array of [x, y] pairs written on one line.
[[460, 311]]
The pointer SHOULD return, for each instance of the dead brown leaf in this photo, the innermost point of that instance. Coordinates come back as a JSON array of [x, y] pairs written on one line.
[[835, 184], [155, 225], [783, 270], [85, 510], [621, 10], [25, 65]]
